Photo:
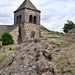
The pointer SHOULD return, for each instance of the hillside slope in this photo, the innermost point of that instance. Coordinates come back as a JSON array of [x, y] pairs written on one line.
[[54, 55], [45, 33]]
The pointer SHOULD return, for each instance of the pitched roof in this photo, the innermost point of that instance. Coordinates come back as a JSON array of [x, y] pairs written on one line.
[[28, 5]]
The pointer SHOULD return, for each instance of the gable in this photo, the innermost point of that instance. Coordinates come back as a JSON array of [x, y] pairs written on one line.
[[27, 4]]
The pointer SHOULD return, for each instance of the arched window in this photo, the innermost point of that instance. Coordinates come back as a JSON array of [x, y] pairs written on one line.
[[32, 34], [35, 19], [30, 18], [20, 17], [17, 20]]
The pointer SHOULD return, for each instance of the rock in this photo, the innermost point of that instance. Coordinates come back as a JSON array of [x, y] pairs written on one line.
[[10, 48], [25, 44], [32, 58], [50, 47], [45, 46], [17, 48], [47, 55], [41, 67], [56, 49], [50, 57], [36, 40], [4, 48], [29, 41], [72, 30], [10, 59], [37, 56]]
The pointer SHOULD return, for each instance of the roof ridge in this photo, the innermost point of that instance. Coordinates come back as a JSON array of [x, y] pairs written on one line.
[[31, 3], [28, 5], [25, 2]]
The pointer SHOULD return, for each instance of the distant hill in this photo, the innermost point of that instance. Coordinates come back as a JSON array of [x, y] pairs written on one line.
[[45, 33], [42, 28]]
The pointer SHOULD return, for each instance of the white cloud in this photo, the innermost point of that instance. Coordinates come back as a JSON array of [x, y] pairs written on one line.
[[54, 13]]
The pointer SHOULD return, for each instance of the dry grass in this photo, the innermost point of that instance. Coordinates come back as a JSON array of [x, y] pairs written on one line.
[[4, 52]]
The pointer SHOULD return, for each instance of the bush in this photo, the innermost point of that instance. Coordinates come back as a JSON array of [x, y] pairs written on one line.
[[0, 39], [0, 46], [6, 39]]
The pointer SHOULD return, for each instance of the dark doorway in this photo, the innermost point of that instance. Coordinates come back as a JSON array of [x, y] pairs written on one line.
[[32, 34], [17, 20]]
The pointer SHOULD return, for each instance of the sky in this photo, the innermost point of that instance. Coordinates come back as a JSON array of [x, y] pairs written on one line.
[[54, 13]]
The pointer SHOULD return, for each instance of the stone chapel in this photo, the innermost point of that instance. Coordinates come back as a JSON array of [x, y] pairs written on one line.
[[26, 23]]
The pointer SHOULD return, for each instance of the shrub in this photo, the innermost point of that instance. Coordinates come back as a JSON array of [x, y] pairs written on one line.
[[0, 39], [6, 39], [0, 46]]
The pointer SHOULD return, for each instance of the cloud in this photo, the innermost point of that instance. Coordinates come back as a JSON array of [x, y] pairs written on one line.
[[54, 13]]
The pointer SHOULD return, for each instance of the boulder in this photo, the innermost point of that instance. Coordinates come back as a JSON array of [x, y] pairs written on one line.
[[17, 48], [47, 55], [36, 40]]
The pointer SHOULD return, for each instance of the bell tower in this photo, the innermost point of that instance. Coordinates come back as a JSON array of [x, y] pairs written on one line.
[[27, 17]]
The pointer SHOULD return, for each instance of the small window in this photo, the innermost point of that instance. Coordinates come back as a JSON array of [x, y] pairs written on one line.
[[20, 18], [32, 34], [17, 20], [35, 19], [30, 18]]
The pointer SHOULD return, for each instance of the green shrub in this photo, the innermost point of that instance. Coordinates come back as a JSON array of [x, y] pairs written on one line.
[[6, 39], [0, 39], [0, 46]]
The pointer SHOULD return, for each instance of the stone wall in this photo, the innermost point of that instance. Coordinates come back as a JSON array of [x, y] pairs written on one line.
[[33, 13], [29, 28], [22, 13], [12, 29], [3, 29], [15, 34]]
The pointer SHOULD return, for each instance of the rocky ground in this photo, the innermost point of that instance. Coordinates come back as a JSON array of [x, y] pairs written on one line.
[[39, 57], [52, 56], [33, 57]]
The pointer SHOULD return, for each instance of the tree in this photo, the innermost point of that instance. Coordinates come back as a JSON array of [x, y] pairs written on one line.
[[68, 26], [6, 39]]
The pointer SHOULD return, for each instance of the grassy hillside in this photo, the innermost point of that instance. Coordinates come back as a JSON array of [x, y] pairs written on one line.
[[66, 59], [45, 33]]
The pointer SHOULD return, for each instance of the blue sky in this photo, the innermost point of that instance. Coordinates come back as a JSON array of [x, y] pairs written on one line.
[[54, 13]]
